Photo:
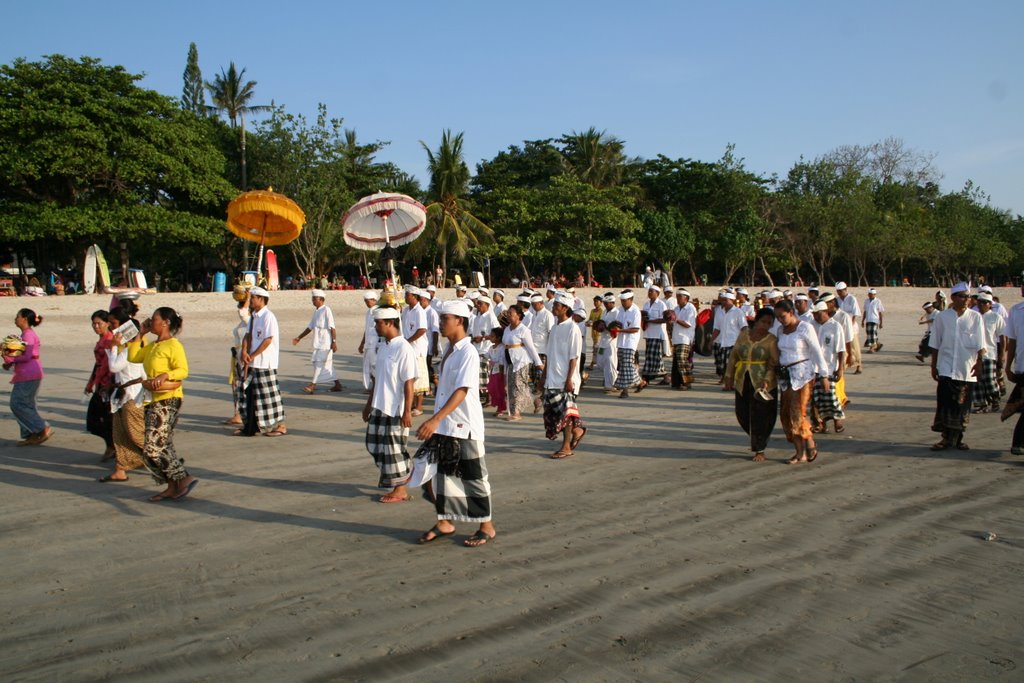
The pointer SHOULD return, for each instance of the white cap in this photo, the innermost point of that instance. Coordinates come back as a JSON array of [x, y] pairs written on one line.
[[566, 299], [985, 288], [318, 293], [455, 307], [415, 291], [841, 285], [802, 297], [608, 298], [483, 290], [985, 296], [827, 296], [927, 304], [551, 288], [462, 287], [473, 296], [959, 288], [431, 288], [775, 294], [484, 299], [656, 288], [580, 311], [498, 292], [626, 294], [820, 306], [523, 298], [742, 291], [727, 295], [425, 294], [370, 294], [385, 313], [872, 290], [259, 291], [537, 298], [682, 292]]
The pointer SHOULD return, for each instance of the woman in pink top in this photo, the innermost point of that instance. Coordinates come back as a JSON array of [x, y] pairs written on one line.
[[28, 375], [98, 419]]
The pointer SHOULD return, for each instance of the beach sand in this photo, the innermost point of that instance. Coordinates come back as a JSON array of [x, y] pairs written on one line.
[[658, 552]]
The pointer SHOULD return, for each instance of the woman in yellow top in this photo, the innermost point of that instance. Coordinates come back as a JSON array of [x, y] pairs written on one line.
[[166, 368], [751, 372]]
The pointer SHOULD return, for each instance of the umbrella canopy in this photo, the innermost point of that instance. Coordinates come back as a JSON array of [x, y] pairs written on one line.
[[381, 219], [265, 217]]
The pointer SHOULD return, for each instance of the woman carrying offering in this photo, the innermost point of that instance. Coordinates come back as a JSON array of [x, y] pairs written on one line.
[[129, 423], [751, 373], [800, 362], [28, 375], [166, 368]]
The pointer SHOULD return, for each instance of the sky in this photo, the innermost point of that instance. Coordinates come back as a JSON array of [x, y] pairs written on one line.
[[779, 80]]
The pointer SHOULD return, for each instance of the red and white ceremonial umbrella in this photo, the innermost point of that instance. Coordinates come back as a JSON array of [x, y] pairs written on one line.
[[383, 221]]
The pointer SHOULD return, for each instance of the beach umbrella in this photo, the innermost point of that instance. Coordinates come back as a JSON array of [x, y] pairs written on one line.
[[383, 221], [266, 217]]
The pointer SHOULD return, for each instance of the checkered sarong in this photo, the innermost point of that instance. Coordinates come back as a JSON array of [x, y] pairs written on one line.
[[464, 497], [985, 392], [485, 374], [536, 374], [654, 362], [826, 404], [560, 412], [682, 365], [260, 402], [627, 376], [872, 338], [386, 441], [721, 358]]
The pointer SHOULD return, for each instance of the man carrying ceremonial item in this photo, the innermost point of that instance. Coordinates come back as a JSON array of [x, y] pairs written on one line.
[[388, 410], [562, 379], [325, 343]]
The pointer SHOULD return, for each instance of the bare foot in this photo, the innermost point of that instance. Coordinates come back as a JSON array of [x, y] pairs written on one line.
[[758, 457]]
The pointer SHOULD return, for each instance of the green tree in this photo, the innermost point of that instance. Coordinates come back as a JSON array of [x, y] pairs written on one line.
[[193, 94], [450, 220], [668, 237], [595, 157], [86, 154], [231, 94]]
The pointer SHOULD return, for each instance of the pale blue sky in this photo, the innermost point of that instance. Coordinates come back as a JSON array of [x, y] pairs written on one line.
[[779, 80]]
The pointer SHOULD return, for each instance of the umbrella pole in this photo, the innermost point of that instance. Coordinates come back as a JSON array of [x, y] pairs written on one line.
[[391, 262], [259, 258]]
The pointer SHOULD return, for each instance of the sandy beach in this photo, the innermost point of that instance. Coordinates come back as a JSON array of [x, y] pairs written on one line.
[[658, 553]]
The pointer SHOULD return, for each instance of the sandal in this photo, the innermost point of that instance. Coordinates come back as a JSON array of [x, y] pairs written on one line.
[[391, 498], [437, 533], [962, 446], [940, 446], [560, 455], [276, 432], [820, 428], [840, 428], [309, 389], [812, 454], [480, 537], [575, 441], [758, 457]]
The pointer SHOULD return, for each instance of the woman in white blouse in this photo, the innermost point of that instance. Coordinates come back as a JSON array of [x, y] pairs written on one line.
[[129, 427], [521, 352], [800, 362]]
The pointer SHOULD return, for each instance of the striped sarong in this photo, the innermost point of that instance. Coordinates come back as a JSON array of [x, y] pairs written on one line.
[[682, 365], [952, 411], [386, 441], [465, 497], [560, 412], [872, 335], [654, 361], [985, 393], [825, 404], [536, 374], [260, 402], [627, 376], [721, 358]]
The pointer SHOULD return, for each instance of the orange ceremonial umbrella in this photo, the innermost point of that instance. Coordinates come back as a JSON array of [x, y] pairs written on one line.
[[266, 217]]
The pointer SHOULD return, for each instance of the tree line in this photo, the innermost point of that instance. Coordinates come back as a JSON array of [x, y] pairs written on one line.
[[88, 155]]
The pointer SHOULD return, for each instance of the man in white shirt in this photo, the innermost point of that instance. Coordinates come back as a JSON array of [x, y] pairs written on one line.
[[607, 350], [540, 325], [683, 323], [986, 389], [628, 326], [848, 303], [427, 302], [461, 489], [325, 343], [414, 329], [388, 409], [825, 403], [729, 321], [561, 378], [498, 297], [480, 328], [368, 344], [260, 404], [844, 320], [958, 345], [802, 304], [743, 303], [653, 321], [1015, 373], [873, 320]]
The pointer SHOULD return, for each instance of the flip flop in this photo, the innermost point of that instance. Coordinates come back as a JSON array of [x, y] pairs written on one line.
[[575, 441], [309, 390], [560, 455], [158, 497], [437, 534], [275, 432], [110, 478], [940, 446], [962, 446], [393, 499], [812, 455], [840, 428], [188, 490], [481, 536]]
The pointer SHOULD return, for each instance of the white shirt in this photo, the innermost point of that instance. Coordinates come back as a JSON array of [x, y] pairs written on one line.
[[748, 309], [833, 342], [801, 345], [370, 337], [396, 365], [461, 370], [415, 318], [685, 314], [655, 312], [995, 327], [519, 343], [958, 340], [242, 327], [497, 357], [498, 307], [321, 325], [1015, 330], [729, 323], [852, 308], [872, 308], [481, 326], [540, 326], [264, 326], [124, 371], [565, 345], [843, 318], [433, 325], [629, 318], [605, 341]]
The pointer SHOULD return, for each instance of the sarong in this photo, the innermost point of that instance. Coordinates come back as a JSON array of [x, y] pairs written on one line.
[[496, 391], [560, 412], [422, 383], [952, 411], [756, 416], [129, 430], [793, 412], [826, 404], [682, 365], [465, 498], [323, 366], [485, 374], [386, 441], [98, 418], [923, 348], [260, 404], [607, 360], [536, 374], [872, 332], [986, 390], [721, 359], [627, 375], [654, 361], [518, 385], [855, 357], [160, 456], [369, 361]]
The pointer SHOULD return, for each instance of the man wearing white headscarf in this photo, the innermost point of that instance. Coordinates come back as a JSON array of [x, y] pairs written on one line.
[[607, 350], [561, 379], [958, 346], [325, 343], [629, 328]]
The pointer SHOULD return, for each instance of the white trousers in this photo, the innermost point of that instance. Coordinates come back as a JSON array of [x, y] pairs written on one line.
[[608, 361]]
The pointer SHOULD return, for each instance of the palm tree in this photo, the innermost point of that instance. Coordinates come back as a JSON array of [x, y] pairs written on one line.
[[594, 157], [231, 95], [452, 222]]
